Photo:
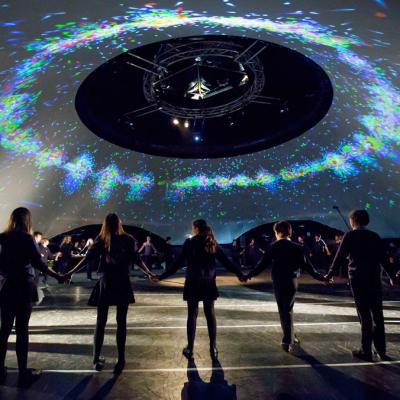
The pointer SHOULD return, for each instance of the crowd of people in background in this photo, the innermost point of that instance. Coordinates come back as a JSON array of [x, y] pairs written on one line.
[[71, 250], [320, 251]]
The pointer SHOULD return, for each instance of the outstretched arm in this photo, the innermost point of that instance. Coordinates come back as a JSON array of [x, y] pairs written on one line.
[[263, 264], [78, 267], [340, 257], [37, 263], [93, 253], [309, 267], [228, 264], [143, 266], [177, 264]]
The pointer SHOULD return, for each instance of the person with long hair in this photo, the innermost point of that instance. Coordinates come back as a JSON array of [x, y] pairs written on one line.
[[19, 256], [64, 259], [114, 251], [199, 255]]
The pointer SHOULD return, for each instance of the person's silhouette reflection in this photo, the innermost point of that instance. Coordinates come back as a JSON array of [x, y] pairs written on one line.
[[217, 389]]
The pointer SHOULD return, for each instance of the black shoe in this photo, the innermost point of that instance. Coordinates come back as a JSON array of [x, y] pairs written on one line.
[[29, 376], [119, 367], [3, 375], [99, 364], [285, 347], [214, 352], [385, 357], [360, 354], [187, 352]]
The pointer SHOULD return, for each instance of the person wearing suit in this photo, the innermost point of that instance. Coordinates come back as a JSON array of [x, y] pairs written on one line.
[[199, 255], [366, 256], [114, 252], [19, 257], [286, 259]]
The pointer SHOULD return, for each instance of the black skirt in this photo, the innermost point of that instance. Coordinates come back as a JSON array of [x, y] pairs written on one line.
[[112, 291], [200, 289], [18, 292]]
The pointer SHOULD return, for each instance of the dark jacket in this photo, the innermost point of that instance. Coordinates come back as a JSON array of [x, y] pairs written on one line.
[[19, 256], [286, 259], [122, 255], [201, 272], [45, 253], [366, 256], [114, 286], [200, 264]]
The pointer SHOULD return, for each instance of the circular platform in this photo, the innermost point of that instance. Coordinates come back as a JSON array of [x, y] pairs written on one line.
[[204, 97]]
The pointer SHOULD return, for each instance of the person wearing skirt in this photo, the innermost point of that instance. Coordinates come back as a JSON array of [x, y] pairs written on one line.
[[199, 255], [114, 251], [19, 258]]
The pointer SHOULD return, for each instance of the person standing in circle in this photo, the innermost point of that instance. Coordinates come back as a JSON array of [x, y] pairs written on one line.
[[114, 251], [149, 252], [200, 254], [286, 259], [19, 257], [64, 259], [364, 252]]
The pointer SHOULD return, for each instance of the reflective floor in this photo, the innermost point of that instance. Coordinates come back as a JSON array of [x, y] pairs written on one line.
[[251, 363]]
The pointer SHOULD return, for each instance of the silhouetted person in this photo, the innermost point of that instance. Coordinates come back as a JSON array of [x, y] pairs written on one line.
[[199, 255], [46, 255], [394, 256], [236, 253], [320, 253], [37, 237], [286, 259], [366, 257], [115, 251], [149, 252], [253, 253], [168, 252], [306, 248], [64, 260], [90, 265], [19, 256]]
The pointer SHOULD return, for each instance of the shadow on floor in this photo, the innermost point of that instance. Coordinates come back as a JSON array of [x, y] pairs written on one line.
[[347, 386], [217, 389]]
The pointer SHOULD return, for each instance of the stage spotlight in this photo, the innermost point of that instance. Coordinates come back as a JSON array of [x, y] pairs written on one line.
[[175, 121], [197, 138], [186, 124]]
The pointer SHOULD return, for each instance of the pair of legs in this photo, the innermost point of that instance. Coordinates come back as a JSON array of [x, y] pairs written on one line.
[[209, 312], [102, 315], [20, 313], [285, 294], [368, 299]]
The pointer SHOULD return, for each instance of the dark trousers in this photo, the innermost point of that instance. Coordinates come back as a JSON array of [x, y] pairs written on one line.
[[21, 313], [209, 312], [285, 293], [368, 299], [102, 316]]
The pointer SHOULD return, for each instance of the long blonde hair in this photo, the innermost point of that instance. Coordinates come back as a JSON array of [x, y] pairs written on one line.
[[20, 220], [206, 231], [112, 226]]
